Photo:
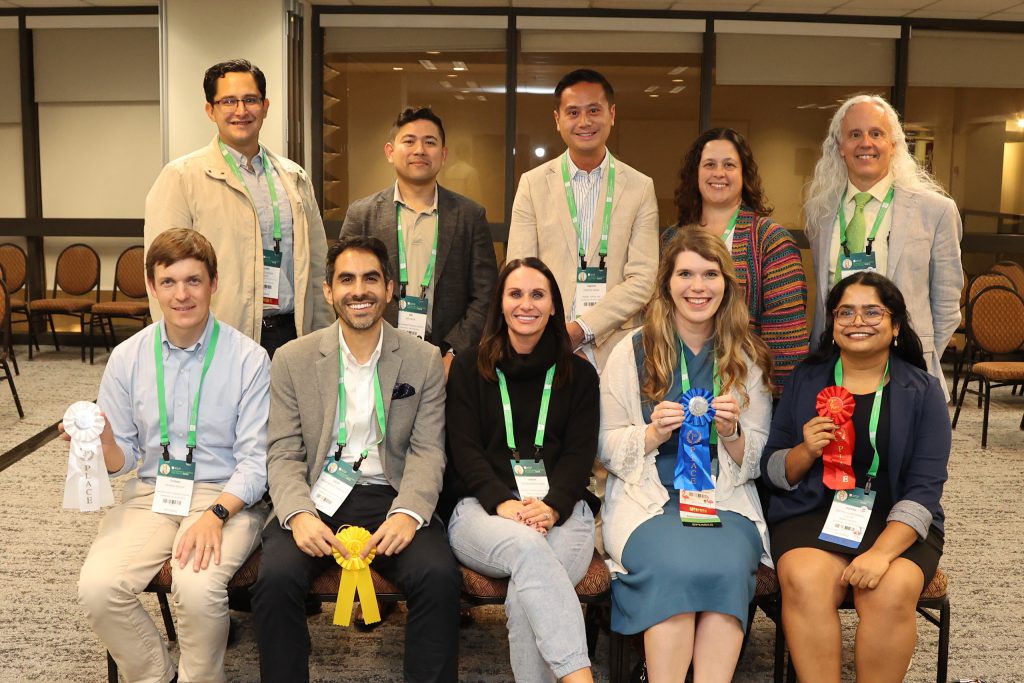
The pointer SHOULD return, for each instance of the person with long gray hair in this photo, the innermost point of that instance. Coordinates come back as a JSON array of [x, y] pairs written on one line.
[[870, 206]]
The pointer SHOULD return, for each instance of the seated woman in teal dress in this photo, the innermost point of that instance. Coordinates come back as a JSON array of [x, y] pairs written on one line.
[[682, 522]]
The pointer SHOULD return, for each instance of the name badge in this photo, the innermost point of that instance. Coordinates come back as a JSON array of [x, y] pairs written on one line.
[[531, 478], [174, 480], [333, 486], [856, 262], [271, 277], [591, 286], [848, 517], [412, 315], [697, 508]]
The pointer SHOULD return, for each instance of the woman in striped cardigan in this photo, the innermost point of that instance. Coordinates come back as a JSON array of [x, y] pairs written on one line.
[[720, 191]]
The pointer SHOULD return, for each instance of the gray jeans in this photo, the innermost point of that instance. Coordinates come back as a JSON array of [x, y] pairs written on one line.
[[546, 635]]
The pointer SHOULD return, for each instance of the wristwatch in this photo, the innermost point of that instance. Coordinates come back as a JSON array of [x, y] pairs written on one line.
[[221, 512]]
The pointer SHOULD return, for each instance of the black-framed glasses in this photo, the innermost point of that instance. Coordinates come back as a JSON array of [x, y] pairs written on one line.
[[228, 104], [869, 315]]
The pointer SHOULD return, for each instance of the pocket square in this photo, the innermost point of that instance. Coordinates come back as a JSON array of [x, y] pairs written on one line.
[[402, 391]]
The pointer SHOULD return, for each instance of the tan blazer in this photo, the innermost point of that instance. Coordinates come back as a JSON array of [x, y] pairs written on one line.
[[541, 227], [303, 401], [200, 192]]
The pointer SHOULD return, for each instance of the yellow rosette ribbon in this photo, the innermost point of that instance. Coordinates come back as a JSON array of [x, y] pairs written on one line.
[[355, 576]]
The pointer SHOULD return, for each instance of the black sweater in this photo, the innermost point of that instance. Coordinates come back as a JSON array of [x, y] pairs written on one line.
[[478, 454]]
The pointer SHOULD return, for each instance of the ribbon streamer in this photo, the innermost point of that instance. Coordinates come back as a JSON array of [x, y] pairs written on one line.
[[355, 576], [87, 485], [837, 403], [693, 459]]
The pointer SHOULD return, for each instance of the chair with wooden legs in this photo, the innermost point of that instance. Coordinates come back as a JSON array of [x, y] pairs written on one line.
[[130, 280], [77, 274]]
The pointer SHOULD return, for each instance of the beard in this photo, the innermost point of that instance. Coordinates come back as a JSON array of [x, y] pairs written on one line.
[[362, 322]]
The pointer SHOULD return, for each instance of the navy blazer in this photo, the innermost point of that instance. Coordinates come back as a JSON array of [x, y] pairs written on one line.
[[919, 440]]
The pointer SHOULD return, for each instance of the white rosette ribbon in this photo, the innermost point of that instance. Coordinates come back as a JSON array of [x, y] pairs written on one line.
[[87, 487]]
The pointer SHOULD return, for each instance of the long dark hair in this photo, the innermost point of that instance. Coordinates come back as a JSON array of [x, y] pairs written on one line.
[[495, 345], [689, 202], [906, 344]]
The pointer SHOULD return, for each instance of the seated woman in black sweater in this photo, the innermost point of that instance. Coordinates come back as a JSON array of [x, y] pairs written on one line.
[[523, 415]]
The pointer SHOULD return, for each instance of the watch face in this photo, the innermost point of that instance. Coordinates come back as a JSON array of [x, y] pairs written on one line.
[[220, 511]]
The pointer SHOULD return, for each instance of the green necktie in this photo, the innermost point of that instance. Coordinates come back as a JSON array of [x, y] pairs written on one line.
[[855, 231]]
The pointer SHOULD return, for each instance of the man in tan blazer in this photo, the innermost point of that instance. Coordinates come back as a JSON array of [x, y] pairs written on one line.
[[356, 437], [568, 237]]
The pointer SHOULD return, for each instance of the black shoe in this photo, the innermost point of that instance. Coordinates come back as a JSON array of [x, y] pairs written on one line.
[[386, 609]]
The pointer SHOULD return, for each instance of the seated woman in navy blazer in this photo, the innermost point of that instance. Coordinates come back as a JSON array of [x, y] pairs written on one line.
[[855, 463]]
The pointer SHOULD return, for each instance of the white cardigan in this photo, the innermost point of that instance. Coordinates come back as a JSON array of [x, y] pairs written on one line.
[[634, 492]]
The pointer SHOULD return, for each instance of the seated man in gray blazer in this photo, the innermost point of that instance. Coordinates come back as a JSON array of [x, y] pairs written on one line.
[[356, 437], [439, 241]]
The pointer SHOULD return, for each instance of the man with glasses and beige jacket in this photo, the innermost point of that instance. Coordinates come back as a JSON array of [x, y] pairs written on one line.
[[256, 208]]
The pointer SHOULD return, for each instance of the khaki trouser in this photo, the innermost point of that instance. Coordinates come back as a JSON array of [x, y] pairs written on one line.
[[132, 544]]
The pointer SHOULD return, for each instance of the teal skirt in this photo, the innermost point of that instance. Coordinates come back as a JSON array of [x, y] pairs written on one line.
[[675, 569]]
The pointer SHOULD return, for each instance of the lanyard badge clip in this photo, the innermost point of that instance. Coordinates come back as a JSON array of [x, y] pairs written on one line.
[[867, 485], [188, 454], [277, 246], [167, 453], [515, 454]]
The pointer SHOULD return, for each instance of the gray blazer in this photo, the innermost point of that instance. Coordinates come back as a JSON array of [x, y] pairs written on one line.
[[466, 267], [924, 262], [303, 401]]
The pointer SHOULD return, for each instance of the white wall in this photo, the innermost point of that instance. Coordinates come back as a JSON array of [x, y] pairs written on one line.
[[200, 33]]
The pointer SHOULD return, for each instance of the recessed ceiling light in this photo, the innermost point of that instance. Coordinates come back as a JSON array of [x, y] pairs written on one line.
[[481, 98], [678, 89], [428, 65], [677, 80], [678, 70], [539, 152], [433, 52], [397, 68], [652, 95], [459, 66], [452, 75], [651, 88]]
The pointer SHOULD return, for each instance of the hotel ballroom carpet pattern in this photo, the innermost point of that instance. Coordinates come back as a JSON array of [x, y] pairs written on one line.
[[44, 637]]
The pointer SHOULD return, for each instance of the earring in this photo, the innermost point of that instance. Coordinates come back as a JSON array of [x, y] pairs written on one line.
[[895, 342]]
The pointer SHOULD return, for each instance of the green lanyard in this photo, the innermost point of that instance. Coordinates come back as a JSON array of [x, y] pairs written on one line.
[[886, 203], [684, 381], [876, 408], [403, 271], [542, 415], [378, 400], [606, 223], [193, 421], [732, 226], [268, 171]]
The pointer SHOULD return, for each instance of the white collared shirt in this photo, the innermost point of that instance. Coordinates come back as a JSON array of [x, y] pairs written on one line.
[[880, 247], [360, 415], [587, 190]]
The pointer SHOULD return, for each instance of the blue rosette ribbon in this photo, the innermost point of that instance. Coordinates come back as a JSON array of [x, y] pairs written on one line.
[[693, 459]]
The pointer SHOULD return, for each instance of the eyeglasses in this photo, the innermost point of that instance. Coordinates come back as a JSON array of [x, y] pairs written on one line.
[[870, 315], [228, 104]]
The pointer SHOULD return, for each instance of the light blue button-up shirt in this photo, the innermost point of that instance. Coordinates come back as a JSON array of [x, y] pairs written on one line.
[[256, 182], [234, 407]]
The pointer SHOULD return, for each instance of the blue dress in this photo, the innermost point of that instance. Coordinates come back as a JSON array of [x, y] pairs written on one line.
[[675, 569]]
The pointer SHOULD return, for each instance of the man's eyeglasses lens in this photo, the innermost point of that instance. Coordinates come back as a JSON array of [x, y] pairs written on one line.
[[872, 315], [231, 103]]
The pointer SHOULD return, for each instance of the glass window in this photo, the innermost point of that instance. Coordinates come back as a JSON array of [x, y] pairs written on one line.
[[780, 91], [372, 71], [12, 180], [98, 94], [654, 67], [965, 121]]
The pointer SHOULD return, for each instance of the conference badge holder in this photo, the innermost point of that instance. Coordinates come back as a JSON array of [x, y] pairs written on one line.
[[412, 315], [857, 262], [591, 286], [333, 486], [174, 482], [87, 486], [271, 277], [531, 478], [848, 517]]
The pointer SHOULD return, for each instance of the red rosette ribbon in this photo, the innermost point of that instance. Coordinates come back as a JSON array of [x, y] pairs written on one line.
[[837, 403]]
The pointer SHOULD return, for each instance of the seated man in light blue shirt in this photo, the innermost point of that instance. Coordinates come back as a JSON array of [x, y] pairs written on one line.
[[195, 498]]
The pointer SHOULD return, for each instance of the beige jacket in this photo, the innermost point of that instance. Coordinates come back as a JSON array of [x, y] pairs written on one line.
[[199, 191], [541, 227]]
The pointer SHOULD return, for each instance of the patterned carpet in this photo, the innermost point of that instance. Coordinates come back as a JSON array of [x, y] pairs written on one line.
[[43, 636]]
